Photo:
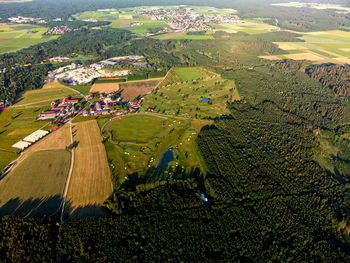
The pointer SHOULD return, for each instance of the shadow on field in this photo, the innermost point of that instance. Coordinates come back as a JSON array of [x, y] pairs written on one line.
[[92, 210], [31, 207]]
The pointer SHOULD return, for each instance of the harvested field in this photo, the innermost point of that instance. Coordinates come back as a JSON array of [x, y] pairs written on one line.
[[90, 184], [35, 187], [105, 87], [270, 57], [131, 89], [306, 56]]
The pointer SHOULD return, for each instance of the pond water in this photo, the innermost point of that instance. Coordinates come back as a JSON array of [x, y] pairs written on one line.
[[167, 157]]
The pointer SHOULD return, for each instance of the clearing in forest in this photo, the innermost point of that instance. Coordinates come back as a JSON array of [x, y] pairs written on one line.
[[90, 184]]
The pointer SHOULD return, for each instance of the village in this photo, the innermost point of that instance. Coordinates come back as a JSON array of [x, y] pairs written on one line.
[[182, 20]]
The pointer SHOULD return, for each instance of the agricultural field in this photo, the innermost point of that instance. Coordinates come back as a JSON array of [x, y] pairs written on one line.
[[35, 186], [147, 137], [105, 87], [132, 89], [90, 184], [318, 47], [14, 37], [48, 92], [16, 124], [122, 18], [249, 26], [192, 92]]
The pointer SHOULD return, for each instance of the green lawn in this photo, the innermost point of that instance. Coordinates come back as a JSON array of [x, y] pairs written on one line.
[[188, 74], [134, 128], [35, 186]]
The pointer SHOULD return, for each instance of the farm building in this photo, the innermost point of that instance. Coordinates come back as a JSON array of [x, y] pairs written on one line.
[[21, 145], [35, 136]]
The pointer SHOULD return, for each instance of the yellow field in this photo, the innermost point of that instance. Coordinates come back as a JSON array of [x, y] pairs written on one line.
[[105, 87], [270, 57], [125, 16], [306, 56], [90, 184], [289, 46], [52, 85]]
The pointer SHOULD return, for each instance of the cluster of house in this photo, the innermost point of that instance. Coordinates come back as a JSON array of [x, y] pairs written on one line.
[[30, 139], [102, 107], [136, 24], [181, 19], [134, 106], [79, 75], [56, 59], [58, 30], [62, 109], [21, 19]]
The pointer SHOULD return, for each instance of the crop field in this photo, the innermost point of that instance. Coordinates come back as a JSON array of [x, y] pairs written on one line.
[[318, 47], [15, 124], [251, 26], [132, 89], [205, 97], [127, 158], [90, 184], [14, 37], [105, 87], [49, 92], [35, 186]]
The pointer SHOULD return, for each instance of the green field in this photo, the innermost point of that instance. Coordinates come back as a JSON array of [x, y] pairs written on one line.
[[328, 46], [18, 36], [188, 74], [44, 94], [15, 124], [161, 132], [84, 89], [35, 186], [138, 129], [183, 89], [249, 26]]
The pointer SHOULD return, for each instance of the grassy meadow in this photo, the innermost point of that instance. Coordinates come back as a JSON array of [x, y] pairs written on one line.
[[159, 132], [14, 37], [182, 91], [35, 186], [49, 92]]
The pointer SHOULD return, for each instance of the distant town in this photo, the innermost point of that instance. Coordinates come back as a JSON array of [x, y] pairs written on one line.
[[180, 19]]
